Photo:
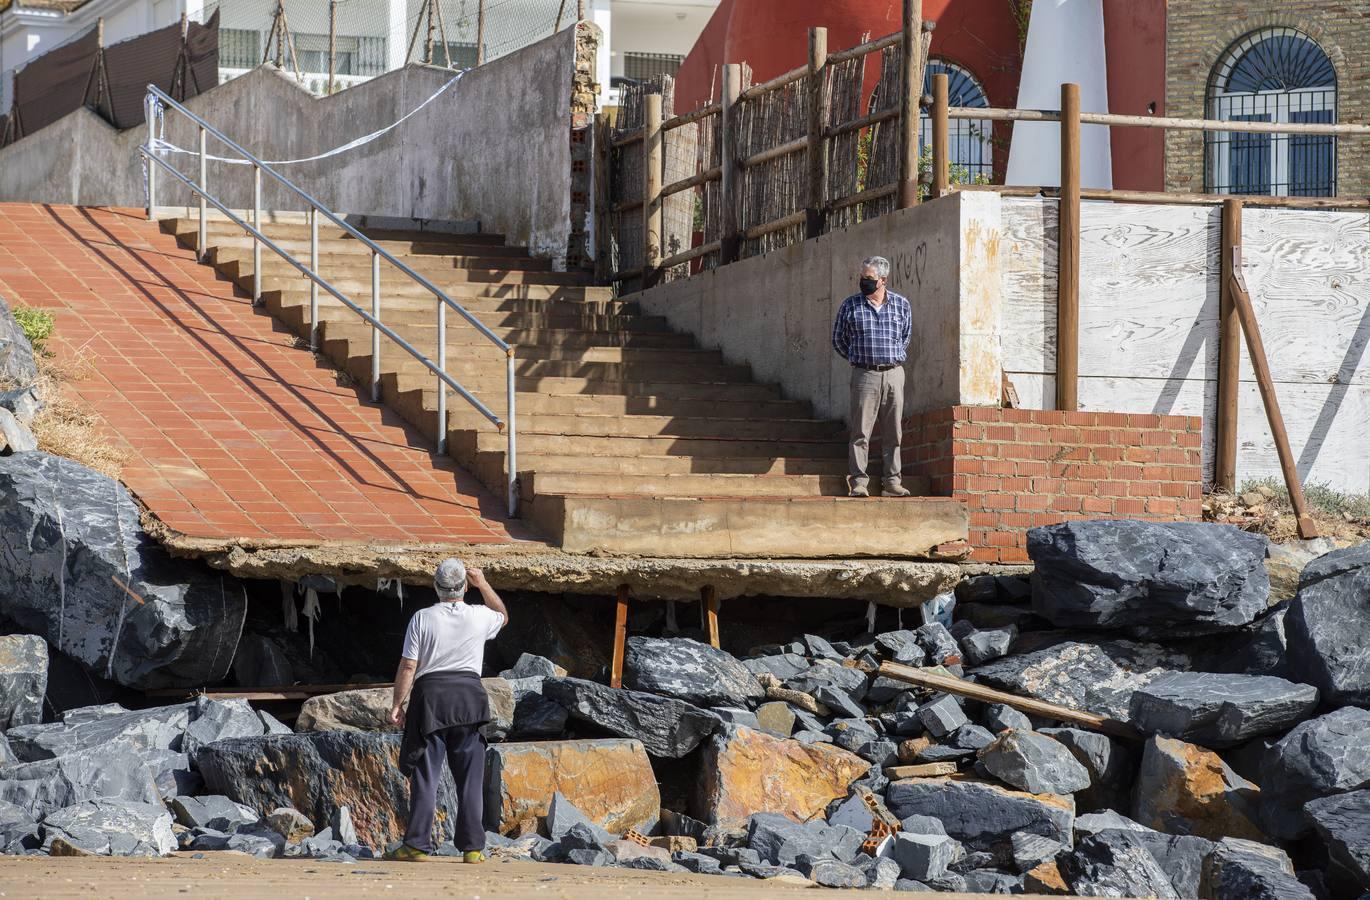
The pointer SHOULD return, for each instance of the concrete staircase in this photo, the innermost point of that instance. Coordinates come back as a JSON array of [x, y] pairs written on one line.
[[631, 439]]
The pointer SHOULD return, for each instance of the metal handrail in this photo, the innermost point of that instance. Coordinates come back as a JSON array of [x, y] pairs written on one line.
[[316, 281]]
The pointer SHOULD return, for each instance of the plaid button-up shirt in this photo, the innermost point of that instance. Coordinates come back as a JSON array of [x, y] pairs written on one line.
[[866, 336]]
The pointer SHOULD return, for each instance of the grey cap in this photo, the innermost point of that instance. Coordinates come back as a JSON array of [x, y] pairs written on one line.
[[450, 579]]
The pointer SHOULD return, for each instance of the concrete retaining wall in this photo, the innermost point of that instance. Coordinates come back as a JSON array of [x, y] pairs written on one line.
[[494, 147]]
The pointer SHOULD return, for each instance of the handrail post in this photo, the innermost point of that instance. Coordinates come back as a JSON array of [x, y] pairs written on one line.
[[442, 385], [941, 135], [910, 95], [375, 332], [1229, 354], [816, 212], [201, 248], [1068, 256], [651, 188], [511, 456], [729, 244], [151, 155], [256, 244], [314, 285]]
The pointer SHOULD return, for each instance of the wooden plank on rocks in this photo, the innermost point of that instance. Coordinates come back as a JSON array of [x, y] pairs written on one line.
[[921, 770], [620, 636], [962, 688]]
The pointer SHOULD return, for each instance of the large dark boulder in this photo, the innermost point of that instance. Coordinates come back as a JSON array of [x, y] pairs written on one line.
[[1250, 871], [690, 671], [1220, 710], [983, 816], [1034, 763], [1161, 579], [23, 679], [17, 365], [318, 774], [66, 533], [113, 771], [1328, 626], [1343, 823], [1115, 864], [666, 727], [1321, 757]]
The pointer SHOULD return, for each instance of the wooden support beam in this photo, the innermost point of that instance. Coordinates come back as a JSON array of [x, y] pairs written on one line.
[[730, 238], [949, 685], [910, 93], [815, 212], [1229, 354], [620, 636], [652, 221], [708, 602], [1255, 347], [941, 135], [1068, 256]]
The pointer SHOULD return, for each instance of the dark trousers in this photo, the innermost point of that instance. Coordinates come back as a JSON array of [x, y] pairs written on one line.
[[463, 747]]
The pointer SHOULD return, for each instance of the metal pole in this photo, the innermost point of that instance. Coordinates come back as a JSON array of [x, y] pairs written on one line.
[[442, 385], [941, 136], [1068, 256], [151, 166], [201, 248], [480, 33], [1229, 355], [314, 285], [651, 189], [512, 454], [818, 119], [332, 42], [910, 96], [256, 244], [375, 332], [732, 87]]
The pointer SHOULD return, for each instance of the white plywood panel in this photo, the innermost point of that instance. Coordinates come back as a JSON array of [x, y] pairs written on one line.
[[1028, 281]]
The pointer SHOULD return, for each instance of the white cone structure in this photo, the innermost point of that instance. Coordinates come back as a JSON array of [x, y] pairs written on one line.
[[1065, 44]]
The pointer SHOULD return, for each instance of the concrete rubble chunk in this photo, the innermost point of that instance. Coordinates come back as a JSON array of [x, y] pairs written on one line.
[[690, 671], [666, 727], [1097, 678], [1184, 789], [114, 771], [1034, 763], [90, 728], [530, 665], [922, 857], [1165, 579], [1115, 864], [23, 679], [1342, 822], [112, 828], [1246, 869], [1220, 710], [744, 772], [983, 816], [1323, 756], [942, 715], [1328, 629], [66, 532], [610, 781], [213, 811]]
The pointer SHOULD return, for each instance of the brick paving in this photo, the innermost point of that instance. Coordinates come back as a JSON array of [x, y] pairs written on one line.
[[230, 432]]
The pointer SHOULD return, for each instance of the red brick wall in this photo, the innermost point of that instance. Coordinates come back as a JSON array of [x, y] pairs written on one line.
[[1020, 468]]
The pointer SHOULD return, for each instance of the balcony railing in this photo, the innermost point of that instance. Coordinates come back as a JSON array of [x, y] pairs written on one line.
[[314, 82]]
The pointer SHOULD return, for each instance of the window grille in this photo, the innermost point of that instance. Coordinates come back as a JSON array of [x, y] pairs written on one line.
[[969, 140], [1272, 75], [646, 66], [239, 48]]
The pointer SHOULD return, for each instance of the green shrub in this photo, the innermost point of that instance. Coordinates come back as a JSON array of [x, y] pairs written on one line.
[[1321, 497], [37, 325]]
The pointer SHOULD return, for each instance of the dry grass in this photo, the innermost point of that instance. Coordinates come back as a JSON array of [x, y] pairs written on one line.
[[65, 426]]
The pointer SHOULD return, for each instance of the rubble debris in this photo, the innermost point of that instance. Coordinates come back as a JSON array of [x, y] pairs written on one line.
[[1342, 822], [290, 824], [1317, 758], [1238, 868], [1184, 789], [983, 816], [922, 857], [1115, 864], [689, 671], [1327, 628], [666, 727], [1109, 761]]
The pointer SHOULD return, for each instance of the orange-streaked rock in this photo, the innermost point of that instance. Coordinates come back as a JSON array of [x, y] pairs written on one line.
[[1185, 789], [611, 781]]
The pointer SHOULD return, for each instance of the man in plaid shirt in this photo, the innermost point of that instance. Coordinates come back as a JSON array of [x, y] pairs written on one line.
[[872, 333]]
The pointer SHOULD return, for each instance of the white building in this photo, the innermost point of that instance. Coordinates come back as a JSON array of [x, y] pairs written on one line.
[[644, 37]]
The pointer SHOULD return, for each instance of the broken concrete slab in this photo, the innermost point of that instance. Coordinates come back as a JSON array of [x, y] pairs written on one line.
[[23, 679], [667, 727], [743, 772], [689, 670], [1035, 763], [610, 781], [983, 816], [112, 828], [1184, 789], [1220, 710], [1327, 630], [66, 533], [1323, 756], [1162, 579]]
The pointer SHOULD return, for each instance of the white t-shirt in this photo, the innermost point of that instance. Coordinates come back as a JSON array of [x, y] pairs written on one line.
[[450, 637]]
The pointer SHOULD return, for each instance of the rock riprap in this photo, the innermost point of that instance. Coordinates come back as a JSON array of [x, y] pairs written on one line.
[[111, 828], [17, 364], [1034, 763], [1220, 710], [983, 816], [23, 679], [1342, 822], [665, 726], [1318, 758], [690, 671], [1184, 789], [1328, 626], [66, 533], [1159, 579]]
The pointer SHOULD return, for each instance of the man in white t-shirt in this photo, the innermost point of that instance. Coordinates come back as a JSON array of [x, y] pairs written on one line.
[[444, 651]]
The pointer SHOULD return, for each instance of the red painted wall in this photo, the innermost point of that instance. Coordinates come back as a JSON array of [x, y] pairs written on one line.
[[1134, 40]]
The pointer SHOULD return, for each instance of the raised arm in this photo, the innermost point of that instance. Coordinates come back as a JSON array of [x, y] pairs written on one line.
[[476, 578]]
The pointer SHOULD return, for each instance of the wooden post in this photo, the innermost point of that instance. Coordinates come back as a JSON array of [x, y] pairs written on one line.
[[941, 135], [1229, 355], [332, 43], [428, 38], [1068, 256], [651, 188], [815, 213], [620, 636], [1255, 347], [730, 243], [910, 110], [480, 33], [708, 601]]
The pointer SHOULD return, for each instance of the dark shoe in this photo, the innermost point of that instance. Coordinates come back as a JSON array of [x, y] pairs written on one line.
[[895, 490], [406, 853]]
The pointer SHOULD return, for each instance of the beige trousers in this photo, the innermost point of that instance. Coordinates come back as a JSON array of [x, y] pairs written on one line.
[[877, 404]]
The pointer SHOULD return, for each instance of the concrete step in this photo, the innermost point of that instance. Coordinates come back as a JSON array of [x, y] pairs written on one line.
[[354, 277], [476, 296], [330, 259], [476, 350], [649, 466], [339, 246], [461, 334], [540, 480], [424, 312], [463, 415], [466, 443], [356, 361], [571, 390], [769, 527], [327, 230], [424, 400]]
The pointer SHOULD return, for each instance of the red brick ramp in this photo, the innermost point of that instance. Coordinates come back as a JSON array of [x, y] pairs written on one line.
[[231, 434]]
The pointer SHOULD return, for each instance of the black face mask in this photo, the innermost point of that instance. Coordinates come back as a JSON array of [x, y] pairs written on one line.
[[868, 286]]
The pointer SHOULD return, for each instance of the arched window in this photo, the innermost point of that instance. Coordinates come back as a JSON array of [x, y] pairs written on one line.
[[968, 139], [1273, 75]]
